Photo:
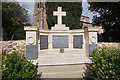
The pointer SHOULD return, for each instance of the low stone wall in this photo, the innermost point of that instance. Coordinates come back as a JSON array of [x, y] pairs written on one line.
[[15, 45], [20, 45], [109, 44]]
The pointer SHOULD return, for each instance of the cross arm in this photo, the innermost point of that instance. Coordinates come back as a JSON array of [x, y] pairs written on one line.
[[63, 13], [55, 13]]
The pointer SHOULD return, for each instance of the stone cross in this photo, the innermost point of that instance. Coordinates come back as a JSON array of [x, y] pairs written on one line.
[[59, 13]]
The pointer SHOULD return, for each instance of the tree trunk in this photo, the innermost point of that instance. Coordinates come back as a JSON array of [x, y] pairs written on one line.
[[12, 37]]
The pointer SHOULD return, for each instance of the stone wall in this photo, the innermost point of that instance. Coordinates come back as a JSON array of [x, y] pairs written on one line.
[[20, 45], [109, 44], [15, 45]]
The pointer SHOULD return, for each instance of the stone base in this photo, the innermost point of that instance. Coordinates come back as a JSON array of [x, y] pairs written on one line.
[[55, 58], [66, 65], [60, 27]]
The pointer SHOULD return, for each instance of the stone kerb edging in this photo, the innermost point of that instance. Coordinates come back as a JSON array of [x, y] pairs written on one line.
[[14, 45]]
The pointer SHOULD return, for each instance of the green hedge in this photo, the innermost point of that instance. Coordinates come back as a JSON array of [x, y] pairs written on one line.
[[15, 66], [105, 64]]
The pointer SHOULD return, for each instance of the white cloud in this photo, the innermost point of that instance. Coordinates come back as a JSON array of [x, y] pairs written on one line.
[[87, 12], [30, 7]]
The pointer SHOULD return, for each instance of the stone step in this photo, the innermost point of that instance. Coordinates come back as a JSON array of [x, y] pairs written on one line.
[[61, 55], [58, 50], [73, 74], [63, 60], [61, 68], [62, 71], [57, 60], [68, 52]]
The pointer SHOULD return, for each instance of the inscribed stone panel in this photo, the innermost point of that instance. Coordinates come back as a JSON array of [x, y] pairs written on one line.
[[31, 51], [43, 42], [78, 41], [60, 41]]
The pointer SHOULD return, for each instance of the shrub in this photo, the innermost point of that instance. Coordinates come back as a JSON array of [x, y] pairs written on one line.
[[105, 64], [16, 66]]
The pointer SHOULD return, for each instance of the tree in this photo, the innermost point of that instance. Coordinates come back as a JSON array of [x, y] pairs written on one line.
[[73, 14], [1, 37], [109, 18], [14, 17]]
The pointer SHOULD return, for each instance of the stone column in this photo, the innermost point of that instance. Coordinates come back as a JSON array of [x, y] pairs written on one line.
[[50, 42], [86, 41], [38, 43], [91, 38], [70, 42], [31, 42]]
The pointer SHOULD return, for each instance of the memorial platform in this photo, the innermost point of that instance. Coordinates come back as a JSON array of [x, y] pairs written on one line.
[[70, 64], [56, 58]]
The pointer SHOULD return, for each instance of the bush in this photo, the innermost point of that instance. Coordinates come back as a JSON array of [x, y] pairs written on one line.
[[15, 66], [105, 64]]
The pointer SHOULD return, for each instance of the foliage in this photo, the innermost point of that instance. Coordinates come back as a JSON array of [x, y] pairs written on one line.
[[19, 33], [0, 66], [15, 66], [14, 17], [73, 13], [105, 64], [109, 18]]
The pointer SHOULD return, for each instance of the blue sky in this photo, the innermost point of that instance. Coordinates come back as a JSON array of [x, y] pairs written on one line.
[[85, 11], [30, 7]]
